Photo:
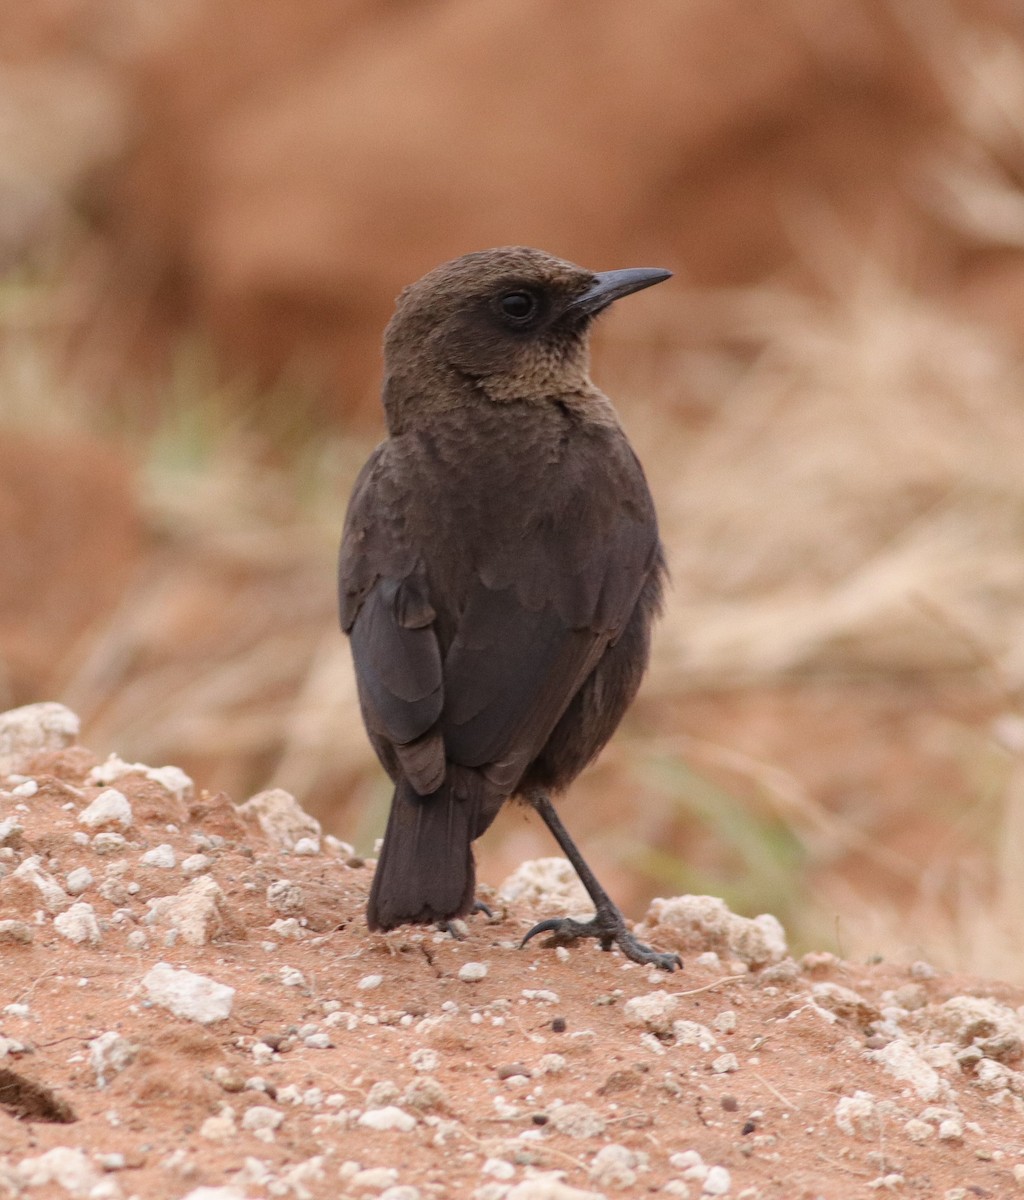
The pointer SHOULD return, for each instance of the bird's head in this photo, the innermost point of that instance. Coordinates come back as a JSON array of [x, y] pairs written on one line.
[[504, 324]]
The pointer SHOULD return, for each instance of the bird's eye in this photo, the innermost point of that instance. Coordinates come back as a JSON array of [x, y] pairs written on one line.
[[517, 307]]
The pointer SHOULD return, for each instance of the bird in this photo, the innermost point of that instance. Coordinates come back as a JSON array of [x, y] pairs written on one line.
[[500, 570]]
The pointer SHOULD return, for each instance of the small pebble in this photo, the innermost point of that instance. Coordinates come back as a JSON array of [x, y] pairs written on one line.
[[510, 1070], [717, 1182], [471, 972], [390, 1117], [109, 843], [372, 1179], [424, 1059], [262, 1121], [109, 808], [161, 856], [368, 982], [196, 864], [13, 932], [78, 881]]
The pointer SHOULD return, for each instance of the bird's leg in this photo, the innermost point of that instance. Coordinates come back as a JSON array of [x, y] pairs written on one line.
[[608, 924]]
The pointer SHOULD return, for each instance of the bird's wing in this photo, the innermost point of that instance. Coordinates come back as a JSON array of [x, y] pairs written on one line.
[[387, 613], [545, 606]]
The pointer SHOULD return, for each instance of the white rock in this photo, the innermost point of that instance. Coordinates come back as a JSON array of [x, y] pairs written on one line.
[[220, 1127], [185, 994], [261, 1117], [903, 1063], [967, 1018], [683, 1160], [172, 779], [577, 1120], [293, 1182], [215, 1193], [389, 1117], [282, 819], [78, 924], [79, 880], [857, 1115], [717, 1182], [196, 913], [549, 1187], [68, 1168], [373, 1179], [549, 885], [287, 927], [15, 932], [109, 1054], [471, 972], [26, 790], [613, 1166], [34, 729], [724, 1064], [653, 1011], [53, 896], [698, 923], [369, 982], [424, 1059], [917, 1130], [306, 846], [195, 864], [283, 896], [692, 1033], [109, 843], [951, 1129], [11, 832], [161, 856], [402, 1191], [109, 808]]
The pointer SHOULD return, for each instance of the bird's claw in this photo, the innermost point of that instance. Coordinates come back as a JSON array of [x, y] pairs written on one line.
[[610, 930], [456, 926]]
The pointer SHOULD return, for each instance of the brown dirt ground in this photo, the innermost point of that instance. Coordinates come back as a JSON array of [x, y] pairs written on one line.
[[483, 1070]]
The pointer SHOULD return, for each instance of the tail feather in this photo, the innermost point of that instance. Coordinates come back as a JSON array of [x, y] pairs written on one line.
[[426, 871]]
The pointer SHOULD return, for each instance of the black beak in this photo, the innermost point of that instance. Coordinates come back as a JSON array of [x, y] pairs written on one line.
[[609, 286]]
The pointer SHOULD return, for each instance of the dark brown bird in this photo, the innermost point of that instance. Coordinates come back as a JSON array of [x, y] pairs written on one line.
[[500, 569]]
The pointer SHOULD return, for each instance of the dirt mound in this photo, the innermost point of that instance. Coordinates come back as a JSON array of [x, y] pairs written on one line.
[[194, 1002]]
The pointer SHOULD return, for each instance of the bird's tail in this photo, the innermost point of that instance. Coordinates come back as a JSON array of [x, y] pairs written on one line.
[[426, 871]]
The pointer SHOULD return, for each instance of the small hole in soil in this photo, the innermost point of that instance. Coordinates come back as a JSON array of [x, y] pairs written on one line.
[[31, 1101]]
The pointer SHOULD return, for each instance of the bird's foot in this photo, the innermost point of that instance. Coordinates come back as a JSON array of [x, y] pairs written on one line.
[[609, 927], [457, 927]]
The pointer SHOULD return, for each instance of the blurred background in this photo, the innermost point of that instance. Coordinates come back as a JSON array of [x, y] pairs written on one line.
[[206, 210]]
